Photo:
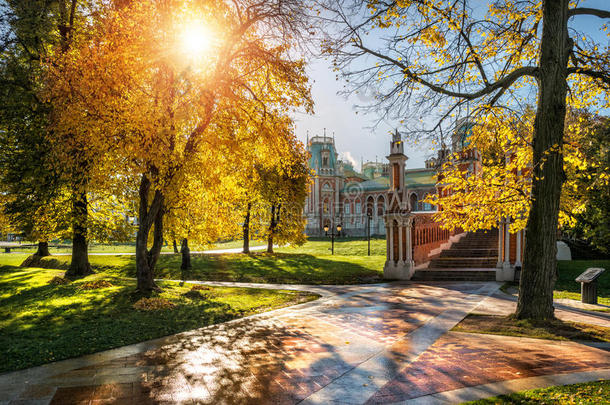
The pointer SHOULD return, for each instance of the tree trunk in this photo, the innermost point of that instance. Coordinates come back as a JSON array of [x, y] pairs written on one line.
[[149, 217], [79, 265], [539, 262], [186, 255], [175, 247], [272, 225], [43, 249], [246, 229]]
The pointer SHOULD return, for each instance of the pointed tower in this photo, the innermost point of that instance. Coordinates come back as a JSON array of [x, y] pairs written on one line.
[[398, 218]]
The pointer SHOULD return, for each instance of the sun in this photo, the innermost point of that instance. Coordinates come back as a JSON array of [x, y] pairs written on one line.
[[197, 40]]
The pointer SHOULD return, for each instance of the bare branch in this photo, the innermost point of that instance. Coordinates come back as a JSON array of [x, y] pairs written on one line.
[[589, 11], [504, 82]]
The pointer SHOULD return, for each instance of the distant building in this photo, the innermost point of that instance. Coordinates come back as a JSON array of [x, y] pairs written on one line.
[[341, 195]]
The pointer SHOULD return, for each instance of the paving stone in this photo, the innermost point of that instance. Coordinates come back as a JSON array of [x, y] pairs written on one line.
[[356, 343], [458, 360]]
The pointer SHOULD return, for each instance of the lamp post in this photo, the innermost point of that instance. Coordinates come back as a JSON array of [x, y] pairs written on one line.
[[368, 230], [332, 237]]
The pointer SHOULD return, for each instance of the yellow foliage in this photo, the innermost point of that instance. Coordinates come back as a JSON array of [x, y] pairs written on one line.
[[502, 187]]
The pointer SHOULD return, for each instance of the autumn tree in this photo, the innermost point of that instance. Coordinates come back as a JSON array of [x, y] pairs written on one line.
[[33, 189], [283, 189], [501, 187], [584, 199], [272, 189], [423, 59], [201, 69]]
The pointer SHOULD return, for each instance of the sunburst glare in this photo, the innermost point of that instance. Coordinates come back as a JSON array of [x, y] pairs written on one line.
[[197, 40]]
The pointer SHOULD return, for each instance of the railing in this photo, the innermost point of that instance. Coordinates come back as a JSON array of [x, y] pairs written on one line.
[[426, 235]]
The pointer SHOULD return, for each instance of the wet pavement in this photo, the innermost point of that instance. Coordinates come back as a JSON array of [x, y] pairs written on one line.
[[357, 344]]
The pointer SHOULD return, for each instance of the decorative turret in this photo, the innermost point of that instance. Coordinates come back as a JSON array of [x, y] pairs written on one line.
[[398, 218], [397, 160], [323, 154], [396, 146]]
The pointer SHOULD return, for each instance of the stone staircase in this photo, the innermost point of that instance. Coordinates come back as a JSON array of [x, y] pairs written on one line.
[[472, 258]]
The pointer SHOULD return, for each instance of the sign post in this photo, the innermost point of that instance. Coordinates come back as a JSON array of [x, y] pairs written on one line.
[[588, 284]]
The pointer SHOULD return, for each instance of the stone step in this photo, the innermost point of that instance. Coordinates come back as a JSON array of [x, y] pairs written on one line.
[[454, 275], [464, 262], [470, 252], [479, 245]]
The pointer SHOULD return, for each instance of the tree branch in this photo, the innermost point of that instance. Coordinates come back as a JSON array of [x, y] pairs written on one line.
[[589, 11], [603, 76], [504, 82]]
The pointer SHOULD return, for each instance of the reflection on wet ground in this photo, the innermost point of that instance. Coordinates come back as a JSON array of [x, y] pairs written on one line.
[[316, 351]]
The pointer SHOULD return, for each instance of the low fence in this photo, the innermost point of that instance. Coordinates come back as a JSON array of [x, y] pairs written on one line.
[[427, 235]]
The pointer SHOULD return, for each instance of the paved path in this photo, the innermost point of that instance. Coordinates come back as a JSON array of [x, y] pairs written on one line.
[[371, 344]]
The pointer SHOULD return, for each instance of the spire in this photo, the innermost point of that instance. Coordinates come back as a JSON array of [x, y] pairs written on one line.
[[396, 146], [396, 136], [308, 138]]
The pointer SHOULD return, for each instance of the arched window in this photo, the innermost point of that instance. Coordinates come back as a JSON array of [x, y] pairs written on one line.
[[358, 207], [325, 206], [370, 206], [346, 207], [380, 206], [325, 158], [413, 202]]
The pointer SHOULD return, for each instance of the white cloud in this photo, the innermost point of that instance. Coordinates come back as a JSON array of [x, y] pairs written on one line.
[[346, 156]]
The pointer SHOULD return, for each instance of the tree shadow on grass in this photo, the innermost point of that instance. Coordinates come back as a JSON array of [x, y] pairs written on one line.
[[54, 322], [272, 268], [288, 268]]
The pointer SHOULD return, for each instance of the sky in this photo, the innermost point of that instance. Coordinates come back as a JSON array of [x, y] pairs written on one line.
[[354, 137]]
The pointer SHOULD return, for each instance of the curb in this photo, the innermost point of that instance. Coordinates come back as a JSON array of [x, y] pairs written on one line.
[[508, 387]]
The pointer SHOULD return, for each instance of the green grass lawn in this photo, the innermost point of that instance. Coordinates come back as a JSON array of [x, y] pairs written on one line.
[[43, 322], [343, 247], [130, 247], [311, 263], [291, 268], [566, 287], [592, 393]]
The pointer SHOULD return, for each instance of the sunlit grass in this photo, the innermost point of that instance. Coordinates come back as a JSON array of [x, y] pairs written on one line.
[[592, 393], [553, 330], [131, 247], [43, 322], [566, 287], [311, 263]]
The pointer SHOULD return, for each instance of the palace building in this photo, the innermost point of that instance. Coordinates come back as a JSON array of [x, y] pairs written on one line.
[[385, 199], [357, 200]]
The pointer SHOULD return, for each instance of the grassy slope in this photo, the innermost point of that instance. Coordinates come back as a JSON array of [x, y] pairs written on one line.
[[42, 322], [554, 330], [592, 393], [311, 263], [292, 268], [566, 287]]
